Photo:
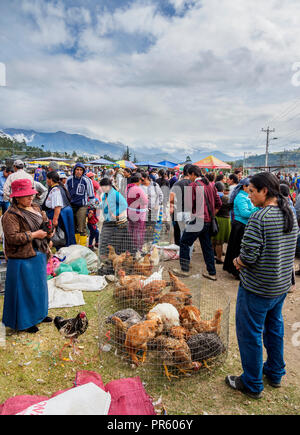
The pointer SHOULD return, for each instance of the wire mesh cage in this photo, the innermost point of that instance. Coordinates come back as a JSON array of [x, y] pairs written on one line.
[[182, 326], [123, 244]]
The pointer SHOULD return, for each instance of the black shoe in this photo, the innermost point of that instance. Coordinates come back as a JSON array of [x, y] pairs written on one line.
[[47, 320], [236, 383], [32, 330], [272, 383], [219, 261]]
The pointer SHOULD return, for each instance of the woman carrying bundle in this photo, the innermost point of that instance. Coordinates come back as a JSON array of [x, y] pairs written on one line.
[[26, 237]]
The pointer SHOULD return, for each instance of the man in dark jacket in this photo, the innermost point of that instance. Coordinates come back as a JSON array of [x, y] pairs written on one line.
[[203, 202], [81, 191]]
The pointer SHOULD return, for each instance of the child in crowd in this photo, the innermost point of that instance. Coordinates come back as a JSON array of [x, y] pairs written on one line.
[[92, 226]]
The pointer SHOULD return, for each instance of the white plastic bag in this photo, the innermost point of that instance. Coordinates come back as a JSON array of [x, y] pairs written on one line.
[[58, 298], [73, 252], [87, 399], [70, 281]]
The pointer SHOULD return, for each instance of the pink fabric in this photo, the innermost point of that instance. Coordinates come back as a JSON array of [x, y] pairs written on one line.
[[52, 265], [128, 396], [136, 200]]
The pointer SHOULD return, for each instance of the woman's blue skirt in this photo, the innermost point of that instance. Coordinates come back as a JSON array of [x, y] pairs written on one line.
[[66, 223], [26, 292]]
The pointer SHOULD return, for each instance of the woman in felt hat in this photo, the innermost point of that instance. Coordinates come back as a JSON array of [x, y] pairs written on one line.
[[26, 236]]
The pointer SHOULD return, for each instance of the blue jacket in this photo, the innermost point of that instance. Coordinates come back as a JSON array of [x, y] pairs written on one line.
[[113, 203], [80, 189], [2, 182], [243, 207]]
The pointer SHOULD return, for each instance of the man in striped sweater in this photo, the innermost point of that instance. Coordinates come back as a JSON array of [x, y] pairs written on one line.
[[266, 264]]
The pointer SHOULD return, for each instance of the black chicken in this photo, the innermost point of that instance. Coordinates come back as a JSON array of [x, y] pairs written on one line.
[[71, 329], [204, 346]]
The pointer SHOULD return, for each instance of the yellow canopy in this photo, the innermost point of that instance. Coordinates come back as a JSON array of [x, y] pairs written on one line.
[[43, 162]]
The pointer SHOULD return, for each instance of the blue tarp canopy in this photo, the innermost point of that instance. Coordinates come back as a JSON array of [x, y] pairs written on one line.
[[168, 164], [152, 164], [100, 162]]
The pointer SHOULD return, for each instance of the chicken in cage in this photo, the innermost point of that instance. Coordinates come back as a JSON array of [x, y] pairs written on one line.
[[174, 326]]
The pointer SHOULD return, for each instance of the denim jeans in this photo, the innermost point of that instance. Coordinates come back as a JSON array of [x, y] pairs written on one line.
[[187, 240], [4, 206], [259, 321], [94, 234]]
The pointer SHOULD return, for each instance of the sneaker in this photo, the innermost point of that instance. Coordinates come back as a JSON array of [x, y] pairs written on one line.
[[236, 383]]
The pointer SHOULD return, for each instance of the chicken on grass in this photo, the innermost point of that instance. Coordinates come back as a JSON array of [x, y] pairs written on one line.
[[71, 329]]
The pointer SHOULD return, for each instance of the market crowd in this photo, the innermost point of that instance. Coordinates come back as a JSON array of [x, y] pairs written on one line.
[[247, 224]]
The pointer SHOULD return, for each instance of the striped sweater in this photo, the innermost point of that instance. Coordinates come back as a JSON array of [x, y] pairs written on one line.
[[268, 253]]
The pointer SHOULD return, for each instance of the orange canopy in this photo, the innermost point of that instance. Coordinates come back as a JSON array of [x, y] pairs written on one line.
[[212, 162]]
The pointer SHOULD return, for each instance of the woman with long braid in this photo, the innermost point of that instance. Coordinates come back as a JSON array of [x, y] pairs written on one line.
[[265, 263]]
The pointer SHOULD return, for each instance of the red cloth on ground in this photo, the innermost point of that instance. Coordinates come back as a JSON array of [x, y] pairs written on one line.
[[128, 396]]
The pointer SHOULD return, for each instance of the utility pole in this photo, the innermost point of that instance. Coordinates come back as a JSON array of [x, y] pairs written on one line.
[[268, 131]]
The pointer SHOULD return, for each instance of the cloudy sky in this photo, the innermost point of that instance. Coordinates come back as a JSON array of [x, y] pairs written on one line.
[[170, 74]]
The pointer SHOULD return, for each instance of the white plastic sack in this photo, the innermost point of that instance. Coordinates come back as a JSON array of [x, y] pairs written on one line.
[[58, 298], [170, 252], [69, 281], [73, 252], [87, 399]]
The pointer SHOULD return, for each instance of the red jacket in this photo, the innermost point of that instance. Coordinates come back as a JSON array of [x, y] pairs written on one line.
[[198, 203]]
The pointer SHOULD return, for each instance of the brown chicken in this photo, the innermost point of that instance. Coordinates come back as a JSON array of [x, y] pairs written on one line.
[[176, 353], [144, 266], [129, 286], [213, 325], [117, 260], [128, 263], [122, 326], [178, 299], [177, 285], [125, 280], [138, 335], [111, 253], [180, 333], [190, 318], [152, 290]]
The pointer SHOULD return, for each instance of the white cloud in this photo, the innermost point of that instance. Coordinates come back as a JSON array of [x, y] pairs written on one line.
[[211, 75]]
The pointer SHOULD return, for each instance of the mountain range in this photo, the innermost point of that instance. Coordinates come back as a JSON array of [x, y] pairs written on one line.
[[83, 145]]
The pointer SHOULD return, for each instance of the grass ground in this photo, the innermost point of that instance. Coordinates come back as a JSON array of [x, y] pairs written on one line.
[[29, 364]]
